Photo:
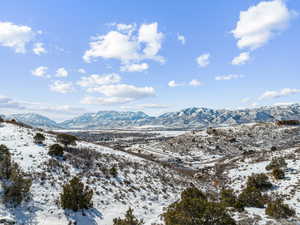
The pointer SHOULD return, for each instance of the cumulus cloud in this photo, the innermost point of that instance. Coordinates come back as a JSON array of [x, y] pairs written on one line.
[[195, 83], [90, 100], [181, 38], [40, 71], [61, 72], [135, 67], [118, 94], [258, 24], [39, 49], [96, 80], [124, 91], [15, 36], [229, 77], [241, 59], [277, 94], [203, 60], [61, 87], [128, 47]]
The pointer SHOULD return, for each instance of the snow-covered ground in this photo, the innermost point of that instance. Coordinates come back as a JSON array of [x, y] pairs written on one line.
[[145, 186], [143, 190]]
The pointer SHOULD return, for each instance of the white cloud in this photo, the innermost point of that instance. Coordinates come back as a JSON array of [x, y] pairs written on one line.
[[96, 80], [135, 67], [152, 106], [39, 49], [124, 91], [258, 24], [113, 45], [173, 83], [89, 100], [195, 83], [145, 106], [61, 87], [61, 72], [181, 38], [81, 71], [203, 60], [283, 103], [278, 94], [40, 71], [128, 47], [125, 27], [229, 77], [15, 36], [10, 105], [241, 59], [148, 34]]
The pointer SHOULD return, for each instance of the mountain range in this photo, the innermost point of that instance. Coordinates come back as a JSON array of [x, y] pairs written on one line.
[[189, 118]]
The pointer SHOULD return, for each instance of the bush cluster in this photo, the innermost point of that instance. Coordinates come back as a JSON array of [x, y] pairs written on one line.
[[251, 197], [277, 162], [195, 208], [229, 199], [259, 181], [66, 139], [129, 219], [76, 195], [277, 209], [278, 173], [39, 138], [16, 185], [288, 122], [56, 150], [113, 171]]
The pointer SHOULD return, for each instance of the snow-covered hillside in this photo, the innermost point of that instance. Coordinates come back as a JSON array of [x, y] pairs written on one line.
[[145, 185], [140, 184]]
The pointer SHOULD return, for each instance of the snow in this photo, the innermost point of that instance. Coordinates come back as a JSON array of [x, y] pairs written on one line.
[[148, 200]]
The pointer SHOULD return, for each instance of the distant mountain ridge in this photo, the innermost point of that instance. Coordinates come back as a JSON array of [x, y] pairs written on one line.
[[33, 119], [189, 118]]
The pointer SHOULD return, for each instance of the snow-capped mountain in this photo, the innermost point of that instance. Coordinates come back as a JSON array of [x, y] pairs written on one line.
[[108, 119], [34, 120], [187, 118]]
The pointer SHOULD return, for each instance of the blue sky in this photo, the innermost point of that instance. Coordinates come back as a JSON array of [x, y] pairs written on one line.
[[64, 58]]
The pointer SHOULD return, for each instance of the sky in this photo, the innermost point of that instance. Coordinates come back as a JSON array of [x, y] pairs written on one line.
[[65, 58]]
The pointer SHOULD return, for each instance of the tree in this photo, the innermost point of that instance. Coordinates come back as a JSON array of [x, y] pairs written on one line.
[[56, 150], [18, 187], [66, 139], [194, 209], [129, 219], [39, 138], [5, 162], [76, 196]]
